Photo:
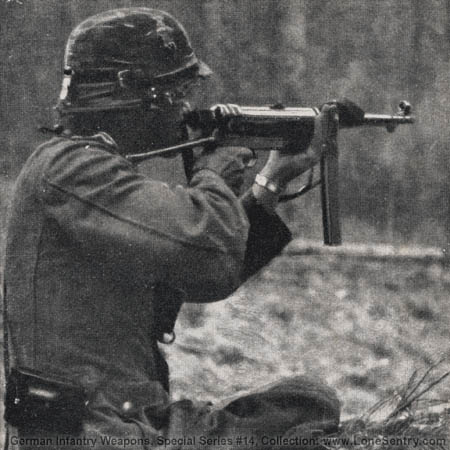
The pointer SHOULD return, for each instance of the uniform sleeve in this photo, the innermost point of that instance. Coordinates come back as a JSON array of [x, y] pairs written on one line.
[[193, 239], [267, 237]]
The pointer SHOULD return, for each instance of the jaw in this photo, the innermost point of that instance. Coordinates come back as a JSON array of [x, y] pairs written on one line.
[[145, 131]]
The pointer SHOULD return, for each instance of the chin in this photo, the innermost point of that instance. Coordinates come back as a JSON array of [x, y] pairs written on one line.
[[149, 131]]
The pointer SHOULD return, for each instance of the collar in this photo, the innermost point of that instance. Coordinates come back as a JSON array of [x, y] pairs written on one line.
[[101, 138]]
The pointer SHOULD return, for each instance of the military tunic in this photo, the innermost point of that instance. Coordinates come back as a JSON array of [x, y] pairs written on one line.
[[100, 259]]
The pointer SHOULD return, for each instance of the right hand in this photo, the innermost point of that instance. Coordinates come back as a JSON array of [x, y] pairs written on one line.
[[284, 165], [228, 162]]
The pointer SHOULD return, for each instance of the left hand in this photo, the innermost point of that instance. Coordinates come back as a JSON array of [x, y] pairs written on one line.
[[284, 166], [350, 114]]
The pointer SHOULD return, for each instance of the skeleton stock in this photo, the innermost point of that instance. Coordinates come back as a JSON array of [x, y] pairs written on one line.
[[267, 128]]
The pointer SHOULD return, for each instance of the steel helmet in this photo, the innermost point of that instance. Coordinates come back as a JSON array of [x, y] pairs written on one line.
[[119, 58]]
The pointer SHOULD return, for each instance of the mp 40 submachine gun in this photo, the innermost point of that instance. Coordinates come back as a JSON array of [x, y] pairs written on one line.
[[266, 128]]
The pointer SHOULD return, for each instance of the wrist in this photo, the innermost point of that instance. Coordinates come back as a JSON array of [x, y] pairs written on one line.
[[267, 199]]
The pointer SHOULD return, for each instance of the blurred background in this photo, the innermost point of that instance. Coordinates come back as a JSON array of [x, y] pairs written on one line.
[[394, 187]]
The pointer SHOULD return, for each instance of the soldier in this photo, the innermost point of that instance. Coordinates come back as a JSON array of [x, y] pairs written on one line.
[[100, 257]]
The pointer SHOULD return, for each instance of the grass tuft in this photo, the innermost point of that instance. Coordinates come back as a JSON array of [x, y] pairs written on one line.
[[404, 419]]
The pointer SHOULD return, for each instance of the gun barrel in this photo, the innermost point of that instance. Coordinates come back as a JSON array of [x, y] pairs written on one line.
[[386, 119], [303, 114]]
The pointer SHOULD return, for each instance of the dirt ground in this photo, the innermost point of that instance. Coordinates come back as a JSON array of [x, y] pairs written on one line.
[[361, 318]]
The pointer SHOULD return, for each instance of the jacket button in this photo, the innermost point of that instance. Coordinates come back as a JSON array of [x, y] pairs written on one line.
[[168, 338], [127, 407]]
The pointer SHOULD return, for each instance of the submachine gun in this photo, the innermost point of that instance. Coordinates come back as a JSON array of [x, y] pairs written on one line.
[[266, 128]]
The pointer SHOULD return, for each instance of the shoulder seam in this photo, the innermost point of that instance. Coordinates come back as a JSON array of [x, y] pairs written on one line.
[[140, 225]]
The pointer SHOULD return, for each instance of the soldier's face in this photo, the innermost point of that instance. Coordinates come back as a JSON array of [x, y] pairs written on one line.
[[165, 115], [159, 123], [151, 129], [165, 127]]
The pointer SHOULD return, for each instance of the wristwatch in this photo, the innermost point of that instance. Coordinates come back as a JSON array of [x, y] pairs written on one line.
[[270, 185]]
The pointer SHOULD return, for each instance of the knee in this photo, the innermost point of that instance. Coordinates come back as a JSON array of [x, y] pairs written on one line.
[[318, 400]]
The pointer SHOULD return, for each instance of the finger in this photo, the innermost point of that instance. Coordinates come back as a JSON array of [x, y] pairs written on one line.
[[226, 110], [251, 161], [234, 109], [246, 157], [219, 109]]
